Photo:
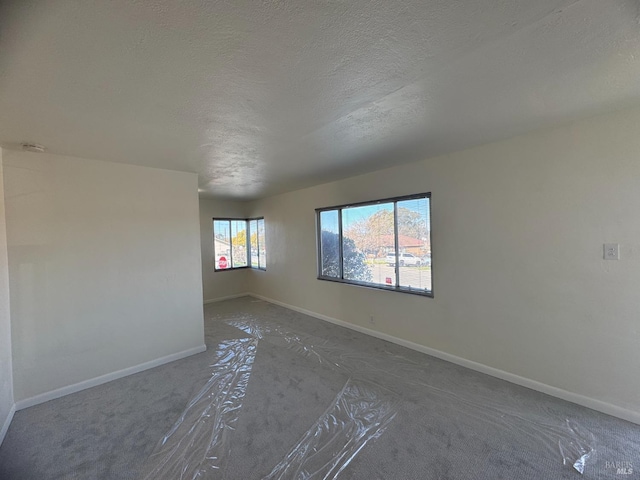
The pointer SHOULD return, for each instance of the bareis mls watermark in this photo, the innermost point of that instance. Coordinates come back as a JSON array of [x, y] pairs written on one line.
[[621, 468]]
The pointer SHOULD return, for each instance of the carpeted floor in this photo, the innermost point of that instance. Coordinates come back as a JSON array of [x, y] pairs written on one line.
[[282, 395]]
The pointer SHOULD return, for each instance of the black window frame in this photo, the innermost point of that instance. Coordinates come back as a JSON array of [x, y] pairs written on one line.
[[390, 288], [247, 243]]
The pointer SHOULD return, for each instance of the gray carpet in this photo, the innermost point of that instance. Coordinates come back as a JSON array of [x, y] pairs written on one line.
[[282, 395]]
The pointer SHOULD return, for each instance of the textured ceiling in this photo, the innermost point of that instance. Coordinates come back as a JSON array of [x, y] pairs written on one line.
[[261, 97]]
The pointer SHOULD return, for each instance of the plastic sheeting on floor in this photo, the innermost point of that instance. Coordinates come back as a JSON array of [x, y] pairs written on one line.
[[198, 445]]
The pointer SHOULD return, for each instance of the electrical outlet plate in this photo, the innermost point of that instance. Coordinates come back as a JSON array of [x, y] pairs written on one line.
[[612, 251]]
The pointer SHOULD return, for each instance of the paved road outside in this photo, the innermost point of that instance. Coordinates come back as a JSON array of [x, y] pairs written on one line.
[[409, 276]]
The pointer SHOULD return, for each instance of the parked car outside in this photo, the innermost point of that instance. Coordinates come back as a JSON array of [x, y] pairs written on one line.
[[405, 259]]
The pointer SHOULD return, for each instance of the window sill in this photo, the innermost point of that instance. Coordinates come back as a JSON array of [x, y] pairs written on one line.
[[411, 291]]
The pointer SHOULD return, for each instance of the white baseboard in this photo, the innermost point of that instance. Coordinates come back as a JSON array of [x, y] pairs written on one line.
[[7, 422], [76, 387], [598, 405], [228, 297]]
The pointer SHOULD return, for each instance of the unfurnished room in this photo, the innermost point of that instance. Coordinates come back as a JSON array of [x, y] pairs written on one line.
[[295, 240]]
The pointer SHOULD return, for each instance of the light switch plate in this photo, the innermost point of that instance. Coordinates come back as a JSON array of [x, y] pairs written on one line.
[[612, 251]]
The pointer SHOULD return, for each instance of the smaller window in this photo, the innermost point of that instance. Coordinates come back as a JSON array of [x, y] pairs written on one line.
[[239, 243]]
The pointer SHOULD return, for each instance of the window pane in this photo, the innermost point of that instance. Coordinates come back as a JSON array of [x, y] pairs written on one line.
[[414, 245], [329, 244], [385, 244], [239, 243], [367, 234], [253, 235], [262, 244], [222, 244]]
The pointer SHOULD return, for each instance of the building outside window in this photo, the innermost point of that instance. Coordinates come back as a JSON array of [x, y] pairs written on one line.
[[383, 244]]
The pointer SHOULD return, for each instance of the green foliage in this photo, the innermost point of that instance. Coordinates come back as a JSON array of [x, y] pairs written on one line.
[[355, 267]]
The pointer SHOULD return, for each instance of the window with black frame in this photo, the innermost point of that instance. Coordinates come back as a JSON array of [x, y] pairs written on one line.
[[239, 243], [383, 244]]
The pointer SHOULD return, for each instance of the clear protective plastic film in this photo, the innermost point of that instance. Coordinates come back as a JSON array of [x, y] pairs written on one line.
[[357, 416], [197, 445], [388, 372], [577, 448]]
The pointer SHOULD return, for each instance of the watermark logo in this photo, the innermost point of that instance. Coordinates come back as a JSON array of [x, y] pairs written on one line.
[[621, 468]]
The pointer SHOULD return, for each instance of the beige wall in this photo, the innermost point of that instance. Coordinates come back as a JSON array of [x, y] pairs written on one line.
[[520, 282], [6, 375], [104, 268], [217, 285]]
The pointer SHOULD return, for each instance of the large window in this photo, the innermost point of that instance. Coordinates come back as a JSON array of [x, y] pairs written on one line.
[[384, 244], [239, 243]]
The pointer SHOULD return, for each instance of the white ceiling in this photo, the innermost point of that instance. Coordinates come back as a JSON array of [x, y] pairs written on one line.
[[261, 97]]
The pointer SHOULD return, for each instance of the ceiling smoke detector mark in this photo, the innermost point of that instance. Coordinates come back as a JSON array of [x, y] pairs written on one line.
[[32, 147], [612, 251]]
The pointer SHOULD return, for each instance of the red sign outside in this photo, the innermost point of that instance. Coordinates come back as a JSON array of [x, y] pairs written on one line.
[[222, 262]]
